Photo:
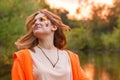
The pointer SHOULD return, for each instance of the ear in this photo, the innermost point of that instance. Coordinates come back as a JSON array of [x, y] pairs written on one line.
[[54, 28]]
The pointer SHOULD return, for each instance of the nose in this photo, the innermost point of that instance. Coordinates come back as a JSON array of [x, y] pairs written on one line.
[[37, 22]]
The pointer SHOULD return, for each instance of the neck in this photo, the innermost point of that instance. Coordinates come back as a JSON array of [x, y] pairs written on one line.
[[47, 42]]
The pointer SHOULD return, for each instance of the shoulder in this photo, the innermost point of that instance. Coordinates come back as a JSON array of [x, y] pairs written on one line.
[[74, 58], [72, 54], [21, 53]]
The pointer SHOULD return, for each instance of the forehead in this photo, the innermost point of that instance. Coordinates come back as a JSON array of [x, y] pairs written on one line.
[[39, 15]]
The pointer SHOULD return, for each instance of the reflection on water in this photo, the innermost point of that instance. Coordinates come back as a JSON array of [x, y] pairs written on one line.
[[101, 66], [104, 75], [90, 71]]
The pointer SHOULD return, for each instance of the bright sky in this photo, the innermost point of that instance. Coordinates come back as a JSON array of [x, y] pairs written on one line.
[[72, 5]]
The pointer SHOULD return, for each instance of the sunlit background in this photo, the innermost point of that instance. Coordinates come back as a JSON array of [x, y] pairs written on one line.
[[80, 9]]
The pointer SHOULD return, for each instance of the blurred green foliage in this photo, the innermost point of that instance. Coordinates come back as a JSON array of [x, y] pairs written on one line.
[[89, 38], [13, 14]]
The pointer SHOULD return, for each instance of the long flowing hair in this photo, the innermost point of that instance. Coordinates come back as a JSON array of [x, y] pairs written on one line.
[[29, 40]]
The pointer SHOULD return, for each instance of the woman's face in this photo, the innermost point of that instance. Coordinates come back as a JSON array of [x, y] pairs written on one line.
[[42, 25]]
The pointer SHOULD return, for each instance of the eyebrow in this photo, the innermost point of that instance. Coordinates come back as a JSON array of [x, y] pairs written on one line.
[[39, 17]]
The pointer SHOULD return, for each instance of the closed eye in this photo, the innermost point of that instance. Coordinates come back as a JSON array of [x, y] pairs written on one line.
[[43, 18], [33, 21]]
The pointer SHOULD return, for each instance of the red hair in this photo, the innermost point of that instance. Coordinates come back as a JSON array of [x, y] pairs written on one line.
[[29, 40]]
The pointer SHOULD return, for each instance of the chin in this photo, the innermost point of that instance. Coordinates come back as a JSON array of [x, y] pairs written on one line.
[[38, 33]]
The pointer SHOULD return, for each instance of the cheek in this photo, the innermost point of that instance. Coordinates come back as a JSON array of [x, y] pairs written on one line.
[[46, 24], [33, 27]]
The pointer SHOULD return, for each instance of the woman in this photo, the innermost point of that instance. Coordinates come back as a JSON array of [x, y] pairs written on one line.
[[43, 55]]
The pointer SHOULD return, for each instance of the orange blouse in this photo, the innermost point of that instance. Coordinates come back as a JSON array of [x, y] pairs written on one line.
[[22, 66]]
